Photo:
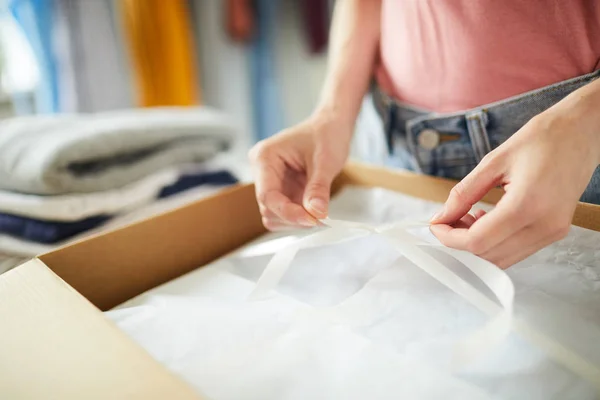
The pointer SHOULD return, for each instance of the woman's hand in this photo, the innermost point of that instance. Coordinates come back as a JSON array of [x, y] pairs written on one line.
[[295, 168], [544, 169]]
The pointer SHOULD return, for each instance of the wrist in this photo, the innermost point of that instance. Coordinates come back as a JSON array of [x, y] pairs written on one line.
[[338, 122], [564, 125], [340, 105], [580, 113]]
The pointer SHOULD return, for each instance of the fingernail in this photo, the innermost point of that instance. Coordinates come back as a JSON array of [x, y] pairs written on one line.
[[434, 228], [437, 215], [318, 205], [307, 222]]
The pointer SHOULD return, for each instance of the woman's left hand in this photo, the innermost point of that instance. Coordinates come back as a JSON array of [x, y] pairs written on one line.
[[544, 169]]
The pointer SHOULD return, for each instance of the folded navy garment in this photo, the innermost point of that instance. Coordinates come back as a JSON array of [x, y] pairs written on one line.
[[49, 232], [189, 181]]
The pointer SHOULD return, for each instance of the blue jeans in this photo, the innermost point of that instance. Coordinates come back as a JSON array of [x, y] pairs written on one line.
[[450, 145]]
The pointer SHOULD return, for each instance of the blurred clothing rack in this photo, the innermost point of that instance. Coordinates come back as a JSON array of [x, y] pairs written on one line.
[[262, 61]]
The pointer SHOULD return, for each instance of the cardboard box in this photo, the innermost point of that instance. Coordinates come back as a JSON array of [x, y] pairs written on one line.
[[56, 343]]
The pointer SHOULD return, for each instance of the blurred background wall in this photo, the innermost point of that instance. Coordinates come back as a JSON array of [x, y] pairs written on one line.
[[261, 61], [98, 32]]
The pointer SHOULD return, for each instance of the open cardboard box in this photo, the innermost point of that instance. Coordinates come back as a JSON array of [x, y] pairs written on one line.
[[56, 343]]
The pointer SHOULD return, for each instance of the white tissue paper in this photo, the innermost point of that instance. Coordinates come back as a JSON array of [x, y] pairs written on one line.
[[395, 328]]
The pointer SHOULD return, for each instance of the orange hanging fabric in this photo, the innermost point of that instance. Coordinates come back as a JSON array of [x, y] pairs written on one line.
[[159, 37]]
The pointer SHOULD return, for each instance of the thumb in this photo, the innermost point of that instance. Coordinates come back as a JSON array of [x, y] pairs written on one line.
[[469, 191], [317, 191]]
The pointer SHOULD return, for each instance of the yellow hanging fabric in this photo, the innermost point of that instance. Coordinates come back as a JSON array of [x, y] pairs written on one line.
[[161, 46]]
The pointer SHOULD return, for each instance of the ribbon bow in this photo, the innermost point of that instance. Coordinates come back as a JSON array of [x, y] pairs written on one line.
[[499, 283]]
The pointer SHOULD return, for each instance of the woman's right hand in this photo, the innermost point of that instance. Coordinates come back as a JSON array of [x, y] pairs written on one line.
[[294, 170]]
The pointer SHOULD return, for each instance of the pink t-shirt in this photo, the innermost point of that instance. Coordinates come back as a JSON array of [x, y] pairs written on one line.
[[451, 55]]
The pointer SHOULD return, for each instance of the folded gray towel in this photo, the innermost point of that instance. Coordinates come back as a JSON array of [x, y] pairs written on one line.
[[92, 152]]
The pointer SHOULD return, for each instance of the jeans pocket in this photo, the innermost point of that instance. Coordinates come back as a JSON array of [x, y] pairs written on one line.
[[455, 169], [451, 160]]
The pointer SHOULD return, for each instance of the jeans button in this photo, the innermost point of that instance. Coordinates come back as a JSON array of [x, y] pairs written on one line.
[[429, 139]]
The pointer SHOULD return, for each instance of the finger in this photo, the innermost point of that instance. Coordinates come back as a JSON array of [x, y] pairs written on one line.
[[465, 222], [277, 225], [266, 213], [528, 241], [469, 219], [286, 210], [504, 255], [470, 190], [270, 215], [518, 247], [318, 188], [273, 223], [486, 232], [450, 236], [478, 213], [269, 193], [504, 221]]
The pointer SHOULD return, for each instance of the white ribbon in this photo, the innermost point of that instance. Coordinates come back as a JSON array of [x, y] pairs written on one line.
[[499, 283]]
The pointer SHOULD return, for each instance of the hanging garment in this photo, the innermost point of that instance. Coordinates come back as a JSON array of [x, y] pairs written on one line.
[[226, 74], [316, 24], [268, 113], [47, 231], [89, 153], [239, 16], [20, 74], [35, 18], [161, 47], [92, 70]]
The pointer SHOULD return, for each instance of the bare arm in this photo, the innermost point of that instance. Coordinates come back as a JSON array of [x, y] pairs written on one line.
[[295, 168], [354, 40]]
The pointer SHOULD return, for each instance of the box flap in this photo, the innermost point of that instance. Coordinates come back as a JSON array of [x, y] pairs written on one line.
[[68, 349], [113, 267]]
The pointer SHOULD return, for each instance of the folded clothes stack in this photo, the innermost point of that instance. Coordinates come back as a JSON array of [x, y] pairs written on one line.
[[65, 176]]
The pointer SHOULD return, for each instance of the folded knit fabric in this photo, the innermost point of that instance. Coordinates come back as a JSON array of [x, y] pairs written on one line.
[[17, 247], [79, 206], [61, 154], [49, 232]]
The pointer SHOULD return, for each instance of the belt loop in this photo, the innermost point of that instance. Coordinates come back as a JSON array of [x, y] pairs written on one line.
[[476, 125], [387, 111], [391, 126]]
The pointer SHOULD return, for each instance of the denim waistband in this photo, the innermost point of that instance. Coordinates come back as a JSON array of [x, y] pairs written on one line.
[[450, 145], [462, 138]]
